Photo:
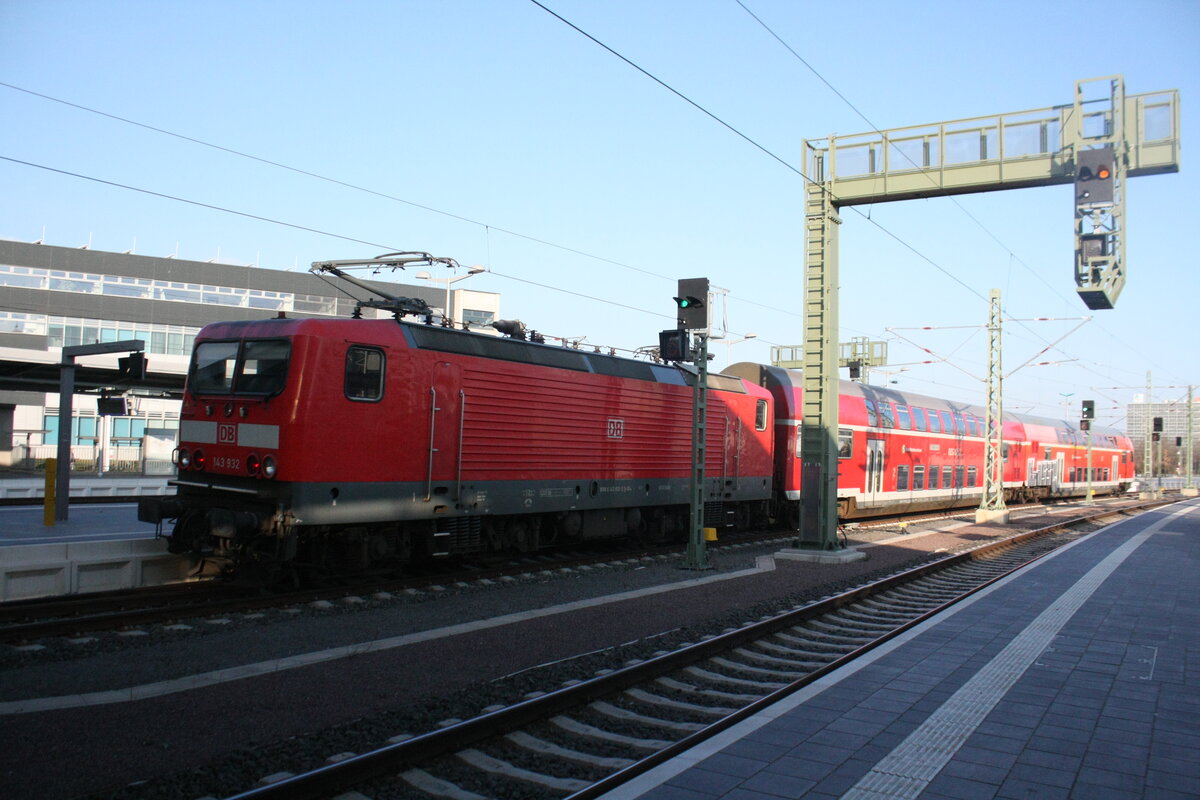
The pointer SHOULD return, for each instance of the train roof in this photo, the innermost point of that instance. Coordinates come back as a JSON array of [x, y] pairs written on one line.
[[470, 343], [767, 376]]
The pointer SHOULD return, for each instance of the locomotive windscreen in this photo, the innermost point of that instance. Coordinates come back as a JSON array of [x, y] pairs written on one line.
[[251, 366]]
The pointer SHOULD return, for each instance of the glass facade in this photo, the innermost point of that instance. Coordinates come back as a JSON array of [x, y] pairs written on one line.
[[169, 291]]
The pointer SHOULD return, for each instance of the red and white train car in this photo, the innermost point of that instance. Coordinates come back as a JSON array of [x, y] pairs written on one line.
[[901, 451]]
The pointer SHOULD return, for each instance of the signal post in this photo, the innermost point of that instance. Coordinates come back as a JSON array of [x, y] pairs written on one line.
[[692, 303]]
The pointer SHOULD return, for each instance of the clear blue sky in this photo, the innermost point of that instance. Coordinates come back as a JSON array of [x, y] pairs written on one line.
[[513, 131]]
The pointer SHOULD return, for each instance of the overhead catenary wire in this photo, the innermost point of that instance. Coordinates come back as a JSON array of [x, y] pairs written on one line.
[[306, 228]]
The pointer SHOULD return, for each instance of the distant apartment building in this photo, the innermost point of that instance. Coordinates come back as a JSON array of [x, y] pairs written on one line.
[[51, 297]]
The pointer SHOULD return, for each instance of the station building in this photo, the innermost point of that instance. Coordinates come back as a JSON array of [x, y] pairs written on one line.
[[52, 297]]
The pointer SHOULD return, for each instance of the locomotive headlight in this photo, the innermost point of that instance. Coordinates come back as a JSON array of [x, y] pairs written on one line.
[[199, 460], [183, 458], [269, 467]]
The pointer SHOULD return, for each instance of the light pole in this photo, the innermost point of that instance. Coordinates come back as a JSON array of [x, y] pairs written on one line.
[[729, 343], [425, 276]]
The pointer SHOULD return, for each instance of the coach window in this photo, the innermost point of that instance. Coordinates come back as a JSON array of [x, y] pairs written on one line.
[[918, 478], [904, 418], [886, 414], [935, 424], [959, 427], [872, 420], [947, 477], [902, 478], [845, 442], [971, 475], [947, 422], [933, 477], [918, 415], [972, 428], [760, 416], [958, 477], [364, 373]]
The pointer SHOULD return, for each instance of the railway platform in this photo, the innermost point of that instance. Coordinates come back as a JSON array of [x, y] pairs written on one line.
[[1076, 677]]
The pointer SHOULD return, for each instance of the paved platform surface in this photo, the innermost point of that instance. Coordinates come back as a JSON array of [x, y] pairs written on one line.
[[103, 522], [1078, 677]]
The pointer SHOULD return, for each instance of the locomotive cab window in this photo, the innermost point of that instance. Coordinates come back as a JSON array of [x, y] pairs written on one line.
[[250, 367], [263, 367], [364, 373]]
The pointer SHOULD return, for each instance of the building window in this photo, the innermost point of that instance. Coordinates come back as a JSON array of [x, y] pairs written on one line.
[[476, 318]]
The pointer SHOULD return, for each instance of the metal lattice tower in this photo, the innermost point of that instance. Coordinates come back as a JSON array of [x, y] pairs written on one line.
[[1017, 150], [991, 505], [818, 433]]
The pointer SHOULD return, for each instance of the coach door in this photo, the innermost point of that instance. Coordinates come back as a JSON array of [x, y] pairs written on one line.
[[446, 409], [874, 486]]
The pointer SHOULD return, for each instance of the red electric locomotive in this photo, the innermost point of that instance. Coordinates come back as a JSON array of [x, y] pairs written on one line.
[[327, 441], [906, 452]]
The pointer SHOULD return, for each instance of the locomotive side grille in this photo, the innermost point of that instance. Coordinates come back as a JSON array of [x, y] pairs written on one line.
[[458, 535], [718, 514]]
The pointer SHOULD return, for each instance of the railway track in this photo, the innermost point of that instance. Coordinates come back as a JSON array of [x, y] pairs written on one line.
[[29, 620], [589, 737]]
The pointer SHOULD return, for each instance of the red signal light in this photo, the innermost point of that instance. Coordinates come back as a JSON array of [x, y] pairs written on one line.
[[1103, 173]]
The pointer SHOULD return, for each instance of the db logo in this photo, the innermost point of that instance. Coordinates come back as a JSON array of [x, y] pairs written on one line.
[[616, 428], [226, 434]]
